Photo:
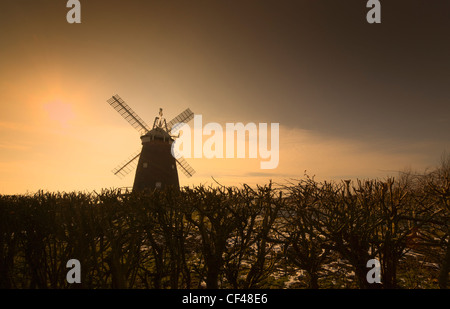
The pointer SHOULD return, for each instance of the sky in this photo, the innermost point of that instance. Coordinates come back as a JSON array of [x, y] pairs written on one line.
[[353, 100]]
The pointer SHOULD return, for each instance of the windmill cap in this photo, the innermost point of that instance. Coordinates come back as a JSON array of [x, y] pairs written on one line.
[[156, 134]]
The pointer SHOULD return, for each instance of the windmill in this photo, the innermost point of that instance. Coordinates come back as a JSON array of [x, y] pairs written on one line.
[[155, 165]]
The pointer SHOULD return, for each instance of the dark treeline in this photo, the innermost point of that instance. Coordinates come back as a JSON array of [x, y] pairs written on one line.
[[307, 234]]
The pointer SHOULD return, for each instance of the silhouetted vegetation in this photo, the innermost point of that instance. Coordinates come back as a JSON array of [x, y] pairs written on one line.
[[307, 234]]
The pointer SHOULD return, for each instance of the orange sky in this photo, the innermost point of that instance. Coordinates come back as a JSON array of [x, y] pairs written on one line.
[[353, 100]]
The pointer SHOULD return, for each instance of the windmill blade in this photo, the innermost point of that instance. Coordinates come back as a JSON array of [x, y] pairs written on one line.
[[126, 112], [182, 118], [185, 167], [127, 166]]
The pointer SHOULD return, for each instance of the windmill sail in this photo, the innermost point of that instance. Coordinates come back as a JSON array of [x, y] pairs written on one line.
[[185, 167], [127, 166], [128, 114], [184, 117]]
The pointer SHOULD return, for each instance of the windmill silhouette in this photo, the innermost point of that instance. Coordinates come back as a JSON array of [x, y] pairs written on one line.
[[156, 166]]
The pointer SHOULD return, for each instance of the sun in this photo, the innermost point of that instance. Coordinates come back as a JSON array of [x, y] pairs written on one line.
[[60, 112]]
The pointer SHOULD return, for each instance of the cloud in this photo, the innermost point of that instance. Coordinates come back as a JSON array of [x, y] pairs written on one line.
[[352, 158], [15, 126], [13, 146], [322, 156]]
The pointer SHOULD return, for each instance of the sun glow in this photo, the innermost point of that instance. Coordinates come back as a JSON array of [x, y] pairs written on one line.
[[60, 112]]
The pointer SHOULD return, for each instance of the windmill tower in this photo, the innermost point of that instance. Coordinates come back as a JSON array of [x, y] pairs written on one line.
[[155, 165]]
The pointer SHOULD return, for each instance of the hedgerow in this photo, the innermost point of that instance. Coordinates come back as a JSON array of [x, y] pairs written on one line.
[[306, 234]]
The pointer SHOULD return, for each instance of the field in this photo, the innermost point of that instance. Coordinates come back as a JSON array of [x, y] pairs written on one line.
[[306, 234]]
